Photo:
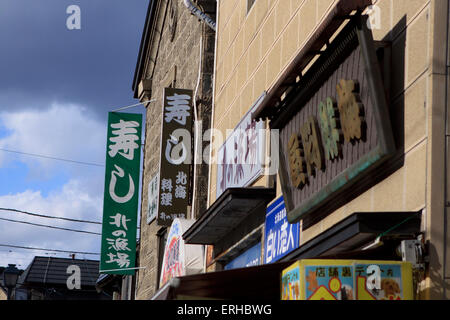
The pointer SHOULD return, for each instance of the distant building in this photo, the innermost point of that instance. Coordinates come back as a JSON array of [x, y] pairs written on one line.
[[46, 278]]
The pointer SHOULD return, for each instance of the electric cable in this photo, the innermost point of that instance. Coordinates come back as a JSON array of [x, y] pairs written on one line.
[[56, 158], [53, 217], [48, 250], [51, 227], [49, 217], [52, 158]]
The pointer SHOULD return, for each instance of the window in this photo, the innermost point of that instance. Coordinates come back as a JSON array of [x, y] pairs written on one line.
[[162, 239]]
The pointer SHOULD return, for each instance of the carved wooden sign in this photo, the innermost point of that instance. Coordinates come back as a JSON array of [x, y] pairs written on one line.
[[334, 126], [307, 152]]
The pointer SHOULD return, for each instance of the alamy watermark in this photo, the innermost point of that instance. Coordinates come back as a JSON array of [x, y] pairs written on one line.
[[73, 21], [74, 280], [241, 147]]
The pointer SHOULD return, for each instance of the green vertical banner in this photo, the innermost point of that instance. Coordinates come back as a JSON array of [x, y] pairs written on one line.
[[120, 204]]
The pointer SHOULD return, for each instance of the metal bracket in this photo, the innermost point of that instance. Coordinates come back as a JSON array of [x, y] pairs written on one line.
[[412, 251]]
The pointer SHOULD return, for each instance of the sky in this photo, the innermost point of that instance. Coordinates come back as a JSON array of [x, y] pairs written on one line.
[[57, 86]]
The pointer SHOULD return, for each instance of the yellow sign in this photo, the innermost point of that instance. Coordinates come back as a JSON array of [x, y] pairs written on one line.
[[347, 280]]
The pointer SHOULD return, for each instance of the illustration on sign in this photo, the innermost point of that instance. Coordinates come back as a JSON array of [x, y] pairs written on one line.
[[379, 282], [121, 193], [329, 283], [281, 237], [347, 280], [180, 259], [290, 283]]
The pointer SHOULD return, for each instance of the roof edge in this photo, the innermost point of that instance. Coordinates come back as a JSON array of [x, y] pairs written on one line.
[[149, 19]]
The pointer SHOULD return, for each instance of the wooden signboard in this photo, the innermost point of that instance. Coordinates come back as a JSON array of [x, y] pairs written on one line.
[[334, 126]]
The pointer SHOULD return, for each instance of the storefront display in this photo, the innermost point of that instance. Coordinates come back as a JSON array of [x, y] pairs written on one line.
[[347, 280]]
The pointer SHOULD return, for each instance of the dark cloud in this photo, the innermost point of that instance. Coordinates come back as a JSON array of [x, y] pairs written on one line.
[[41, 61]]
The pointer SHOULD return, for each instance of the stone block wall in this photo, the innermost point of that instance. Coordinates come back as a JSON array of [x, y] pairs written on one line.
[[176, 61]]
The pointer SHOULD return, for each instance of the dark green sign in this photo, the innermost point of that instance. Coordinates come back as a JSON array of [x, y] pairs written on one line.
[[121, 196]]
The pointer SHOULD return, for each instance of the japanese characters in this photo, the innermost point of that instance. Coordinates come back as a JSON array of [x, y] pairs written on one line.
[[239, 158], [121, 193], [176, 155], [322, 140]]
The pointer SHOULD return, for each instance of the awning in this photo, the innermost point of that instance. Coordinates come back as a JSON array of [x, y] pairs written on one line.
[[232, 207], [358, 230], [342, 241], [262, 283]]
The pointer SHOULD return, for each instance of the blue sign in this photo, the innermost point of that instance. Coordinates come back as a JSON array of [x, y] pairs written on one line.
[[281, 237], [250, 258]]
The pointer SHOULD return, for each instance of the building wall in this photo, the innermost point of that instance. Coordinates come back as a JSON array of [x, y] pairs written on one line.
[[3, 295], [174, 62], [254, 48]]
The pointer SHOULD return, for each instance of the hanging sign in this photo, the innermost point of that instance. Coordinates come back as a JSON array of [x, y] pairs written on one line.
[[120, 204], [240, 157], [153, 199], [250, 258], [347, 280], [281, 237], [176, 155], [180, 259]]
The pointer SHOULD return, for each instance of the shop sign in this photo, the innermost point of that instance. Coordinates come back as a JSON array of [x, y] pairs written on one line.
[[281, 237], [120, 204], [250, 258], [176, 155], [335, 128], [347, 280], [153, 199], [180, 259], [240, 158]]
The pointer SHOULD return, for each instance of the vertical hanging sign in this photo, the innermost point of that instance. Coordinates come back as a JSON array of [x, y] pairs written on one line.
[[121, 196], [176, 155]]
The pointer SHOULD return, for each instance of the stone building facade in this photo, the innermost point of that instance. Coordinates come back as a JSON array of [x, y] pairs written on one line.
[[177, 50], [3, 295], [257, 40]]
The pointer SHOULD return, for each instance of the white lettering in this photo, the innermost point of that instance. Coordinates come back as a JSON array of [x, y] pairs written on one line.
[[74, 280], [74, 20]]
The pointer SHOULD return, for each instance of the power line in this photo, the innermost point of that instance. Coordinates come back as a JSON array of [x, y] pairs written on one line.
[[49, 250], [53, 158], [50, 217], [53, 217], [134, 105], [51, 227]]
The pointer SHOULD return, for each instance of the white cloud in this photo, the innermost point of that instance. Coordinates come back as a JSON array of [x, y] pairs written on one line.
[[69, 201], [63, 131]]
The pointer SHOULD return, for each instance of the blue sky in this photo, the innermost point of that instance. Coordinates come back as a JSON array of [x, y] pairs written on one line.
[[56, 88]]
